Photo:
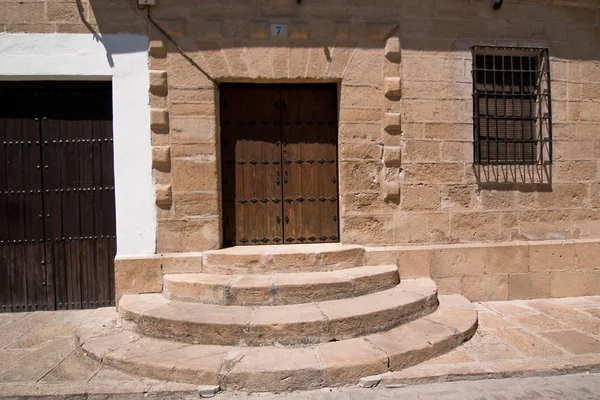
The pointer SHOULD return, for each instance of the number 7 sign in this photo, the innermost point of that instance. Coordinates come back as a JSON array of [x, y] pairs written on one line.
[[279, 30]]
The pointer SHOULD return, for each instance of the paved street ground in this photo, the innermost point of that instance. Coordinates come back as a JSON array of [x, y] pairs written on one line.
[[566, 387], [515, 338], [520, 338]]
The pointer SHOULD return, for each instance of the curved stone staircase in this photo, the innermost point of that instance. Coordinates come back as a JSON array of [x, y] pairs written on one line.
[[275, 318]]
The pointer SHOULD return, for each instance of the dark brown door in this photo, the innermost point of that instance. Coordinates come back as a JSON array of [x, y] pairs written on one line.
[[309, 146], [22, 261], [279, 157], [58, 252], [251, 148]]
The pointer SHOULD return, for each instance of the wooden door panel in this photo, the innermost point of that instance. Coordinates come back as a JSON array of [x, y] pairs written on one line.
[[279, 163], [79, 195], [251, 174], [22, 262], [57, 222], [309, 144]]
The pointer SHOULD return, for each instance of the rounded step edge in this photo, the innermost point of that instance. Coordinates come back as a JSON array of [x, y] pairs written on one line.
[[279, 369], [245, 260], [280, 289], [299, 324]]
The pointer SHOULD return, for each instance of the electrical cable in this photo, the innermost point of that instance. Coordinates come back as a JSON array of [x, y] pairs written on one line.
[[179, 49]]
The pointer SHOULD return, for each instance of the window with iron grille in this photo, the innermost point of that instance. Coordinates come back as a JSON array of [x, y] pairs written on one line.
[[511, 105]]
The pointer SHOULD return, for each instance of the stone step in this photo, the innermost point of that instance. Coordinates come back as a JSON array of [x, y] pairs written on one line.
[[241, 260], [277, 369], [298, 324], [280, 289]]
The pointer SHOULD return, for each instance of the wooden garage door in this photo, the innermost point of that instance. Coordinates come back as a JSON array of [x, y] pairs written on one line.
[[279, 158], [57, 213]]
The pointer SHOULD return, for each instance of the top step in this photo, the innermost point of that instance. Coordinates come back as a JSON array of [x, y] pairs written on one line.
[[283, 258]]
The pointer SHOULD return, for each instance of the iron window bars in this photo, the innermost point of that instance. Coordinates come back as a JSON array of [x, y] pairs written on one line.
[[512, 114]]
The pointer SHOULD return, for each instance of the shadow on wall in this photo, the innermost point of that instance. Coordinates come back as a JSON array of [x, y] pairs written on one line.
[[514, 177], [425, 25], [103, 28], [568, 29]]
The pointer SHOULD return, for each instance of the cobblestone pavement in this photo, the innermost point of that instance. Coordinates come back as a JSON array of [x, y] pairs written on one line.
[[515, 338]]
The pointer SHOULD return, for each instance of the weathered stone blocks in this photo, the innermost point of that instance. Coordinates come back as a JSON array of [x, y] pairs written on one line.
[[181, 235], [442, 200], [163, 195], [161, 157], [192, 174], [380, 30], [159, 118], [158, 82], [282, 369], [157, 48], [298, 30], [259, 29], [390, 186], [213, 28], [393, 87], [392, 156], [356, 356], [532, 285], [393, 122], [173, 26], [305, 323], [393, 49], [574, 283], [552, 255], [137, 274], [341, 30]]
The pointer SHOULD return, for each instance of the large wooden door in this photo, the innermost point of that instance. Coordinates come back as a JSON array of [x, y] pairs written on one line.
[[56, 170], [309, 146], [251, 149], [22, 260], [279, 163]]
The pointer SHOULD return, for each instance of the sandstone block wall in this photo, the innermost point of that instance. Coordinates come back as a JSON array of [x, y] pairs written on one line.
[[406, 138], [405, 113]]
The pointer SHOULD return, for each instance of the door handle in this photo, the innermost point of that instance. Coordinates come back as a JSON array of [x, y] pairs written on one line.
[[287, 219], [278, 220]]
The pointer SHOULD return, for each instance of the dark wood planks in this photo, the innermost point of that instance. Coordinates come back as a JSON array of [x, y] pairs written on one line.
[[279, 148], [22, 268], [310, 161], [251, 152], [68, 170]]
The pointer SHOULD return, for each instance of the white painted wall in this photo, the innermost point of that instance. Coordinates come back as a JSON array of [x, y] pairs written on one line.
[[124, 60]]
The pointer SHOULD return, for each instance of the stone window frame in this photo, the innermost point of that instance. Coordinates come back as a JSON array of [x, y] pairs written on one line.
[[509, 150]]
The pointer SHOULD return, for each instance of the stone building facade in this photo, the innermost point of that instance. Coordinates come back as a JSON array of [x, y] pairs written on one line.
[[410, 188]]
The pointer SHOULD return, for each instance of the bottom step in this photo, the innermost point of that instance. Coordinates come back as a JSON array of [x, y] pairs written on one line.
[[275, 369]]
